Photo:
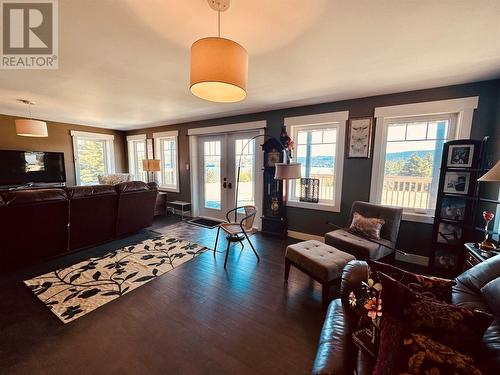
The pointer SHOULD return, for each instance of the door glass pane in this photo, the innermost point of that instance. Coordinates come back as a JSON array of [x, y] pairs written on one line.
[[212, 174], [412, 163], [247, 178], [91, 160]]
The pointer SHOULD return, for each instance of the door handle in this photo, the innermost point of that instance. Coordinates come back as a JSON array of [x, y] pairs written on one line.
[[224, 185], [230, 186]]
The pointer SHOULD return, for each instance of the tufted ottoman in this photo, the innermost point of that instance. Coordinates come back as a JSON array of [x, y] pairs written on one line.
[[322, 262]]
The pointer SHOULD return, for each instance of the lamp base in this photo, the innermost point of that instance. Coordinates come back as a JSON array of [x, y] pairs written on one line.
[[487, 245]]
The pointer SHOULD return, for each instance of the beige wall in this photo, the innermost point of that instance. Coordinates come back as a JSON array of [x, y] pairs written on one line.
[[59, 140]]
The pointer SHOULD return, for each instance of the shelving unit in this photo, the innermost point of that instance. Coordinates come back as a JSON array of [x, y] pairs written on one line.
[[455, 216]]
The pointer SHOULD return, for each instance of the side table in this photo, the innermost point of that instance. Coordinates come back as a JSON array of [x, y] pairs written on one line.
[[179, 205]]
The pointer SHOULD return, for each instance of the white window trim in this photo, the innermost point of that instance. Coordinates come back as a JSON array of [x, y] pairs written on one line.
[[110, 150], [162, 135], [131, 151], [242, 126], [323, 119], [463, 108]]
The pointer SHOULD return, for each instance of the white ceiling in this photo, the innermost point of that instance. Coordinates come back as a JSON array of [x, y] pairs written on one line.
[[125, 64]]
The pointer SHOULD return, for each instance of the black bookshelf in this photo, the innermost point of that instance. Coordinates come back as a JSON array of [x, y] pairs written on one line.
[[455, 216]]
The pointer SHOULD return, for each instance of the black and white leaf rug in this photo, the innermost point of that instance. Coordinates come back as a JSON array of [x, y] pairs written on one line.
[[77, 290]]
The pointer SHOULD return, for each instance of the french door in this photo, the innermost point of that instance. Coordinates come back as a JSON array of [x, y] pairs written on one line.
[[219, 156]]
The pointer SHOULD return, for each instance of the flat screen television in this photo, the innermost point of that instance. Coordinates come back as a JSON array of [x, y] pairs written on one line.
[[24, 167]]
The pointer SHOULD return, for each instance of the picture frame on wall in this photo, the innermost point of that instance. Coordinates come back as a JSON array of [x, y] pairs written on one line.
[[460, 156], [453, 208], [456, 182], [359, 138]]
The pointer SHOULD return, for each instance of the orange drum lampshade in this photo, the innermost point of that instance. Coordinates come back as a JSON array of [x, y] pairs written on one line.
[[151, 165], [493, 175], [31, 128], [219, 70]]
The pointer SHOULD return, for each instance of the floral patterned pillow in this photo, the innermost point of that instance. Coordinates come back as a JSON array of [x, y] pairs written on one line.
[[368, 226], [434, 287], [457, 327], [404, 352]]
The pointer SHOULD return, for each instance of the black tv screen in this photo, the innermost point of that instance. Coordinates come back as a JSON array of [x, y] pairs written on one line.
[[22, 167]]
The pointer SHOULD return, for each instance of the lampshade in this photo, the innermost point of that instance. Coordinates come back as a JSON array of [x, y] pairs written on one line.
[[219, 70], [31, 128], [493, 175], [287, 171], [150, 165]]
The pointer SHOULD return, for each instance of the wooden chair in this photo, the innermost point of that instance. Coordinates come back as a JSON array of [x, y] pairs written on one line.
[[237, 232]]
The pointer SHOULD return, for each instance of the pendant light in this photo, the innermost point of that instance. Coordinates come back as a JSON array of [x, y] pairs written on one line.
[[219, 66], [28, 127]]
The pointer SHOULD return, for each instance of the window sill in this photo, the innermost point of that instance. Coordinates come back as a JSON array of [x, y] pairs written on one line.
[[314, 206], [418, 218], [168, 189]]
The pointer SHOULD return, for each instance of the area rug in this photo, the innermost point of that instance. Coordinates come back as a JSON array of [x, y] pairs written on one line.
[[77, 290]]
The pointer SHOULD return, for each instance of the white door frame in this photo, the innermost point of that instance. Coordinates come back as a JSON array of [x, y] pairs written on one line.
[[193, 134]]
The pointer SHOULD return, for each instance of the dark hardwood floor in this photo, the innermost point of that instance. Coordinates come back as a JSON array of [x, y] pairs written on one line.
[[195, 319]]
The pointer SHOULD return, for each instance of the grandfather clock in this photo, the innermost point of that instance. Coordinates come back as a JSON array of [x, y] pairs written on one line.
[[274, 220]]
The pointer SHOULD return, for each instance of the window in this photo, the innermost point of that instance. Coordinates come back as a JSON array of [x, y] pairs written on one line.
[[166, 152], [319, 147], [136, 154], [407, 155], [246, 194], [93, 155]]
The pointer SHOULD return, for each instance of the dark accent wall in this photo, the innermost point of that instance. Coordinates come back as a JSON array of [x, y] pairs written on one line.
[[414, 237], [59, 140]]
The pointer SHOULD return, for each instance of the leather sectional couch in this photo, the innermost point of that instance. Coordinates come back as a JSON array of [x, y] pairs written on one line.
[[338, 355], [41, 223]]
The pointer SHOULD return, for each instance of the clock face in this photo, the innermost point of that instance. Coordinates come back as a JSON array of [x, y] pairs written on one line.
[[273, 157], [275, 205]]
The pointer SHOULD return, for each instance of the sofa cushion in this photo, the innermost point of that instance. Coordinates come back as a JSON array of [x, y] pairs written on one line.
[[33, 196], [457, 327], [480, 275], [358, 246], [491, 295], [404, 352], [367, 226], [434, 287], [113, 179], [77, 192], [131, 186], [336, 348], [323, 261]]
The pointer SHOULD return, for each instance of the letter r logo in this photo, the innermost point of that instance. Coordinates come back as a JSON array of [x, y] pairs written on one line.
[[27, 27]]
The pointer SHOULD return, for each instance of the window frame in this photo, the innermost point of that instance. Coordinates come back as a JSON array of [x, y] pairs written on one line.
[[460, 112], [132, 155], [336, 120], [158, 137], [109, 151]]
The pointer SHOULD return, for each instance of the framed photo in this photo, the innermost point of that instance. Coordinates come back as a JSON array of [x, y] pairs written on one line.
[[456, 182], [446, 259], [453, 208], [460, 156], [359, 137], [449, 233]]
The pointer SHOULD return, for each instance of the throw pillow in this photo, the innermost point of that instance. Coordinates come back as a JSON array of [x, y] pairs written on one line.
[[434, 287], [368, 226], [491, 293], [404, 352], [456, 327]]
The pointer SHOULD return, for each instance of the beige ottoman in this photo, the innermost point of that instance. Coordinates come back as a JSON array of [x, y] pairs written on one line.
[[322, 262]]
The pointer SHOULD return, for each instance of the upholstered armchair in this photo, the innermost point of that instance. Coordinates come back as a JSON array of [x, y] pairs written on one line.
[[363, 248]]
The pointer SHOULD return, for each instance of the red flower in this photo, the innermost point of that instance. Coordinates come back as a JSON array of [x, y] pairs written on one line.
[[488, 215]]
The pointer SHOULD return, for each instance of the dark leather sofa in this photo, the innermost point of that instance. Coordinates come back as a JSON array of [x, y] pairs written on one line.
[[338, 355], [42, 223]]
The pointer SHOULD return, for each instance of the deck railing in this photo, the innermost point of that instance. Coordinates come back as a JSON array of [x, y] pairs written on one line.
[[406, 191]]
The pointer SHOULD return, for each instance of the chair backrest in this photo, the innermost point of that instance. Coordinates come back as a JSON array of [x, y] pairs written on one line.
[[391, 216], [250, 213]]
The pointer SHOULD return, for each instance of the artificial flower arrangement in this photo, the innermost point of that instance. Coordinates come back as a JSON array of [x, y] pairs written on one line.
[[369, 302]]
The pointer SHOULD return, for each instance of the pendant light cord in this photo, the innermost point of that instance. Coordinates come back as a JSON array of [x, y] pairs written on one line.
[[218, 21]]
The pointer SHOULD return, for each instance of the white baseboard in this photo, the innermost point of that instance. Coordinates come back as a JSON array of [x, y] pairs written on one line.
[[408, 258]]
